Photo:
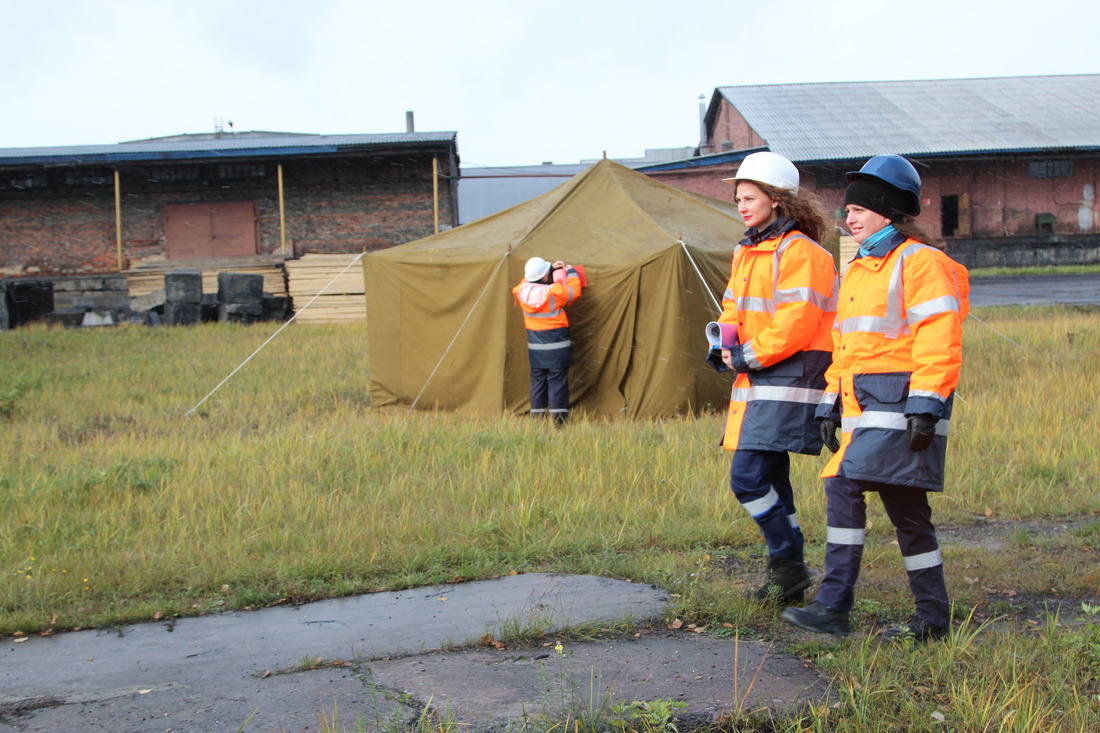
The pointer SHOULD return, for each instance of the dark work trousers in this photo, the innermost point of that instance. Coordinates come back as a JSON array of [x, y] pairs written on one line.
[[911, 516], [550, 392], [761, 481]]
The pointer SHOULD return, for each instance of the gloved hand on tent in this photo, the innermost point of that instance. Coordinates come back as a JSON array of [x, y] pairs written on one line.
[[921, 430], [828, 428]]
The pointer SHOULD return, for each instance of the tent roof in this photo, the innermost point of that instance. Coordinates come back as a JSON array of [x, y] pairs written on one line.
[[587, 198]]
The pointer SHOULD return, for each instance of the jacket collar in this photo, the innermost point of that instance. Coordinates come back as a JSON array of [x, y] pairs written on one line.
[[777, 228], [881, 249]]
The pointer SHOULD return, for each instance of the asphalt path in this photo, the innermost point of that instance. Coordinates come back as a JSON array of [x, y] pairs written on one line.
[[381, 659], [1035, 290]]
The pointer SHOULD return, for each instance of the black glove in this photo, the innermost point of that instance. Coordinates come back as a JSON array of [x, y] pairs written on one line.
[[828, 433], [922, 428], [714, 358]]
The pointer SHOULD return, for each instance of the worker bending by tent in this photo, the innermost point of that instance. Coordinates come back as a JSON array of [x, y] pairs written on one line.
[[781, 299], [542, 295]]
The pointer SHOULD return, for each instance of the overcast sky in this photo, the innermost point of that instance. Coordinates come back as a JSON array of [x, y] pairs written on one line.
[[520, 81]]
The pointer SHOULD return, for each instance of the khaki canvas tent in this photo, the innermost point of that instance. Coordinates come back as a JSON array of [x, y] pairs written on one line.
[[444, 332]]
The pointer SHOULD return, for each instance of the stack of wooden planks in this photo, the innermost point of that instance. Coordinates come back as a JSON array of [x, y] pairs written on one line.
[[148, 277], [848, 249], [339, 276]]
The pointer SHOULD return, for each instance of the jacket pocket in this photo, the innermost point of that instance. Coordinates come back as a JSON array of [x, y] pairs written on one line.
[[881, 389], [781, 372]]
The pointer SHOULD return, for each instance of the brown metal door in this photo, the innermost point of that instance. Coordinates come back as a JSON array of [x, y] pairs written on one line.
[[201, 231]]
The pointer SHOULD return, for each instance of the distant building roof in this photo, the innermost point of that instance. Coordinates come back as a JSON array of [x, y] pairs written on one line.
[[485, 191], [216, 145], [851, 120]]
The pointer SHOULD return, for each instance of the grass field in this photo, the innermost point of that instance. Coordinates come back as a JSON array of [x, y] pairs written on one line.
[[118, 506]]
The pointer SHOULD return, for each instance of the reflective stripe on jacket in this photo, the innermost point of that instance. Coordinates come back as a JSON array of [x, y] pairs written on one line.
[[782, 296], [543, 305], [897, 352]]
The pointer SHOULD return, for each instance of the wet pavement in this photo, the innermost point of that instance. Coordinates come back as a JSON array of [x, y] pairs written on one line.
[[379, 660], [1035, 290]]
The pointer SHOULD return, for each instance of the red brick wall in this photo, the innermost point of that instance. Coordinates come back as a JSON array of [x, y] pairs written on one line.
[[1003, 200], [336, 204], [730, 131]]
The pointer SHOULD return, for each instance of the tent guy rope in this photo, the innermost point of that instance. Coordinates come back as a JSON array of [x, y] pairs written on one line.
[[488, 281], [706, 285], [272, 336]]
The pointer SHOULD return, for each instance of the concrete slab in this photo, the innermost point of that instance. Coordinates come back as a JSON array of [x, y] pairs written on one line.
[[380, 662]]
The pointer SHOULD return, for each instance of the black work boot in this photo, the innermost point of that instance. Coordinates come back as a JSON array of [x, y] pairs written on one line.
[[916, 629], [819, 618], [787, 580]]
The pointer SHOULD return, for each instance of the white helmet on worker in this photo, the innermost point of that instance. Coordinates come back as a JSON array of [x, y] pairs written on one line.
[[536, 269], [769, 168]]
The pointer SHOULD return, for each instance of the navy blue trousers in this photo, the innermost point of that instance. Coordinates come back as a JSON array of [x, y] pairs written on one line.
[[550, 391], [911, 516], [761, 481]]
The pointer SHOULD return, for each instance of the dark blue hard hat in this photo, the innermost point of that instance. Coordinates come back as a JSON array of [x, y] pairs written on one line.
[[894, 171]]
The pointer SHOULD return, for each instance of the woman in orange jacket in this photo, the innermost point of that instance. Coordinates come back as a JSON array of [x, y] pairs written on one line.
[[781, 298], [896, 361]]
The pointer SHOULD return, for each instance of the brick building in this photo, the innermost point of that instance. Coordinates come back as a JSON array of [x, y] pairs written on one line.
[[103, 208], [1010, 165]]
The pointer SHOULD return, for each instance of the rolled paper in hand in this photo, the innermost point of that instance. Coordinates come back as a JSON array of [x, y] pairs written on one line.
[[721, 335]]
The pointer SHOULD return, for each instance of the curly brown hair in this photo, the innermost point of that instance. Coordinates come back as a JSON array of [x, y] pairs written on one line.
[[803, 207]]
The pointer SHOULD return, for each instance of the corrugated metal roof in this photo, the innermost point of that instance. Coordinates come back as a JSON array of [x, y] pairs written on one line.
[[215, 146], [851, 120]]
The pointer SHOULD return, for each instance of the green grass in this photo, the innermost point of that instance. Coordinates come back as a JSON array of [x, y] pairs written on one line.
[[1035, 270], [117, 505]]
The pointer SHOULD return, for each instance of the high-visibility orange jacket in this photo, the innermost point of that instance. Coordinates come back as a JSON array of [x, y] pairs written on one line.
[[782, 296], [897, 352], [543, 305]]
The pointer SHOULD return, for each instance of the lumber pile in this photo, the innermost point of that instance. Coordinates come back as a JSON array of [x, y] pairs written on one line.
[[848, 249], [343, 297], [148, 277]]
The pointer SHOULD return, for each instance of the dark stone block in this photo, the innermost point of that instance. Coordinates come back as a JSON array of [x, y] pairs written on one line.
[[67, 317], [183, 287], [182, 314], [238, 287], [5, 308], [240, 312], [28, 300], [276, 307]]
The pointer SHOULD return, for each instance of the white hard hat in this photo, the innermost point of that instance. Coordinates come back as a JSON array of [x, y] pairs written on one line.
[[770, 168], [536, 269]]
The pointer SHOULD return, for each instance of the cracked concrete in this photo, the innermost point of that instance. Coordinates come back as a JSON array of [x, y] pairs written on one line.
[[381, 658]]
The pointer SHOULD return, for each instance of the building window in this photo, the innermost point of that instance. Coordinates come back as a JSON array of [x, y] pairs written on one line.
[[89, 178], [241, 170], [831, 177], [1050, 169], [174, 174], [23, 181]]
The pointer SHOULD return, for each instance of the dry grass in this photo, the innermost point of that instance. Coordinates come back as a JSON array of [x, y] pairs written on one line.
[[116, 505]]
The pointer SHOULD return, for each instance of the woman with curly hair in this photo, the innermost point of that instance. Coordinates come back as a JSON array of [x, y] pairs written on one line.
[[781, 298]]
